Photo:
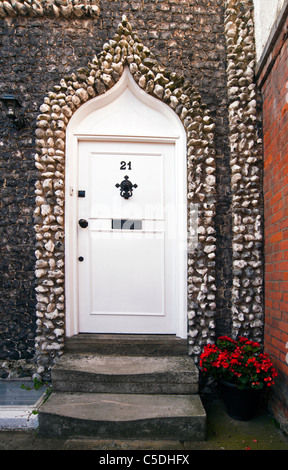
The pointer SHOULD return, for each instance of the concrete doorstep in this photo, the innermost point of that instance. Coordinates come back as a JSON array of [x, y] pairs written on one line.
[[124, 397], [125, 374], [123, 416]]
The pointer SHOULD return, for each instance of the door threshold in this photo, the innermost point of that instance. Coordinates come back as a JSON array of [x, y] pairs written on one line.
[[126, 344]]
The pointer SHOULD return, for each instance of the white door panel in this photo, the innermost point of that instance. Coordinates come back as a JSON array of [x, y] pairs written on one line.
[[105, 172], [127, 275], [127, 251]]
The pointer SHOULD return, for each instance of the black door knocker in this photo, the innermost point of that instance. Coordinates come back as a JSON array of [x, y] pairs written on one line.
[[126, 188]]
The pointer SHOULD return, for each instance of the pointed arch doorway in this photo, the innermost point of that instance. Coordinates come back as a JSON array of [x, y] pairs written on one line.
[[126, 256]]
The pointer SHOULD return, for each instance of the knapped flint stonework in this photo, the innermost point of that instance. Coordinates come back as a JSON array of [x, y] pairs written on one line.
[[189, 38], [101, 74], [246, 174], [43, 8]]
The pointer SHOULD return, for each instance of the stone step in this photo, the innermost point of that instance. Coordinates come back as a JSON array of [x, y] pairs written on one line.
[[123, 416], [127, 345], [125, 374]]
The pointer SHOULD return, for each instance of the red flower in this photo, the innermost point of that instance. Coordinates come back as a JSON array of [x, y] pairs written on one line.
[[240, 362]]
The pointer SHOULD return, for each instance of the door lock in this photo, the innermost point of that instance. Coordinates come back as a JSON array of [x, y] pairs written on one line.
[[126, 188], [83, 223]]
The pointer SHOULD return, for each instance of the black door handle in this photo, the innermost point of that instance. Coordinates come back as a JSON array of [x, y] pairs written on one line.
[[83, 223]]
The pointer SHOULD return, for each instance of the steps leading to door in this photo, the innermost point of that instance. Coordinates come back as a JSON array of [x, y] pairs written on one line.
[[125, 374], [120, 396]]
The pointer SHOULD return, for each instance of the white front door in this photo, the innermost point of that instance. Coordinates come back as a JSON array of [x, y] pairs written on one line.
[[126, 237]]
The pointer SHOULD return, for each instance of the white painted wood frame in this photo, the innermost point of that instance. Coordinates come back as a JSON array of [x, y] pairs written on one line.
[[137, 117]]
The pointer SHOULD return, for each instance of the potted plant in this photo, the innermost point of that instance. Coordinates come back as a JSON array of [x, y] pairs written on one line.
[[242, 370]]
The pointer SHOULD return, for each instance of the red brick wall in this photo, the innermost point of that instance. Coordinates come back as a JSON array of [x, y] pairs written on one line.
[[275, 130]]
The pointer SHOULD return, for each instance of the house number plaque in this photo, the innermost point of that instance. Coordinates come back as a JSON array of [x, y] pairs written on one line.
[[125, 166]]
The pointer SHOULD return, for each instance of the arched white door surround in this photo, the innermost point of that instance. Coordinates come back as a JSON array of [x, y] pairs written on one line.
[[129, 281]]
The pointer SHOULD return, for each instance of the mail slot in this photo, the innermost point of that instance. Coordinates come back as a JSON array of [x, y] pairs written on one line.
[[126, 224]]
